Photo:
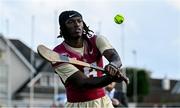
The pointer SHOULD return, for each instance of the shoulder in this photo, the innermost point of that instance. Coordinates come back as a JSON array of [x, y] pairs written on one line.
[[61, 49], [58, 47], [100, 37], [102, 43], [97, 38]]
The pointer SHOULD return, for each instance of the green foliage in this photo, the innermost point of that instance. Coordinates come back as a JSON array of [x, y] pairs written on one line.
[[143, 82], [143, 85]]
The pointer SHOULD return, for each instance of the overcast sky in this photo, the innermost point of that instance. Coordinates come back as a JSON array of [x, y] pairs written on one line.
[[151, 28]]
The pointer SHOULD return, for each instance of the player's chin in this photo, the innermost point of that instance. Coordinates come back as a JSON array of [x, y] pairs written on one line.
[[77, 35]]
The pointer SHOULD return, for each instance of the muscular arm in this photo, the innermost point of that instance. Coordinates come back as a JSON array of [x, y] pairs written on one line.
[[82, 81], [108, 51], [112, 56]]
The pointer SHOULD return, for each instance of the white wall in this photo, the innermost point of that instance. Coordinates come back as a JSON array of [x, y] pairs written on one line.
[[19, 72], [16, 69]]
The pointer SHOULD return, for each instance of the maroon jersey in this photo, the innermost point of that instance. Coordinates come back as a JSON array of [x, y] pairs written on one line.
[[91, 55]]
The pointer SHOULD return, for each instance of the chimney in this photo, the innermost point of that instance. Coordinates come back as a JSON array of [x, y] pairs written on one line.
[[165, 83]]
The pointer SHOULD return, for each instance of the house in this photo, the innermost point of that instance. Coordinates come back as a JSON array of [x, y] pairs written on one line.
[[161, 94], [176, 89], [20, 68]]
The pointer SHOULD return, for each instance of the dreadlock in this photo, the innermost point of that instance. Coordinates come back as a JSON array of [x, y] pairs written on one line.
[[86, 29]]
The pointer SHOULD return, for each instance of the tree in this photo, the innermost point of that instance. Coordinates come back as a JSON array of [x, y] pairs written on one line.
[[142, 82]]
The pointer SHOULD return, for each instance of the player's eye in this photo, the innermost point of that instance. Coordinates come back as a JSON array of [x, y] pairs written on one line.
[[74, 21], [69, 22], [79, 20]]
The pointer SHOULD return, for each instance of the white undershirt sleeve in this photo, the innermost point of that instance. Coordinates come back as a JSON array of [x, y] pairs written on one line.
[[103, 44], [66, 70]]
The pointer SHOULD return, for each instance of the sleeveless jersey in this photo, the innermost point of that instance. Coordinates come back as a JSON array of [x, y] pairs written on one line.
[[91, 55]]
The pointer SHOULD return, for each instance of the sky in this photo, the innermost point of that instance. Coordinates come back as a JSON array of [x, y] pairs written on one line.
[[151, 28]]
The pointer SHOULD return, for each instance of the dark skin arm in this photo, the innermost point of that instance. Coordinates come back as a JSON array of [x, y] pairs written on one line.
[[114, 66], [82, 81], [112, 56], [114, 61]]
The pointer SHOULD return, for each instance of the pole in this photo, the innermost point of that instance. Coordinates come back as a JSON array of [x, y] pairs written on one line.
[[135, 76], [55, 40], [9, 94], [1, 18], [9, 64], [32, 62], [123, 84], [99, 28], [7, 27]]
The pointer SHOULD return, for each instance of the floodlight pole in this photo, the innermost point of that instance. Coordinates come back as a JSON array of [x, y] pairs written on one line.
[[135, 77], [32, 62], [55, 40], [123, 84], [9, 83], [7, 27]]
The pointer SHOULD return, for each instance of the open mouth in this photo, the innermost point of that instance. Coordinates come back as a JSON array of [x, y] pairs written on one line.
[[78, 30]]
